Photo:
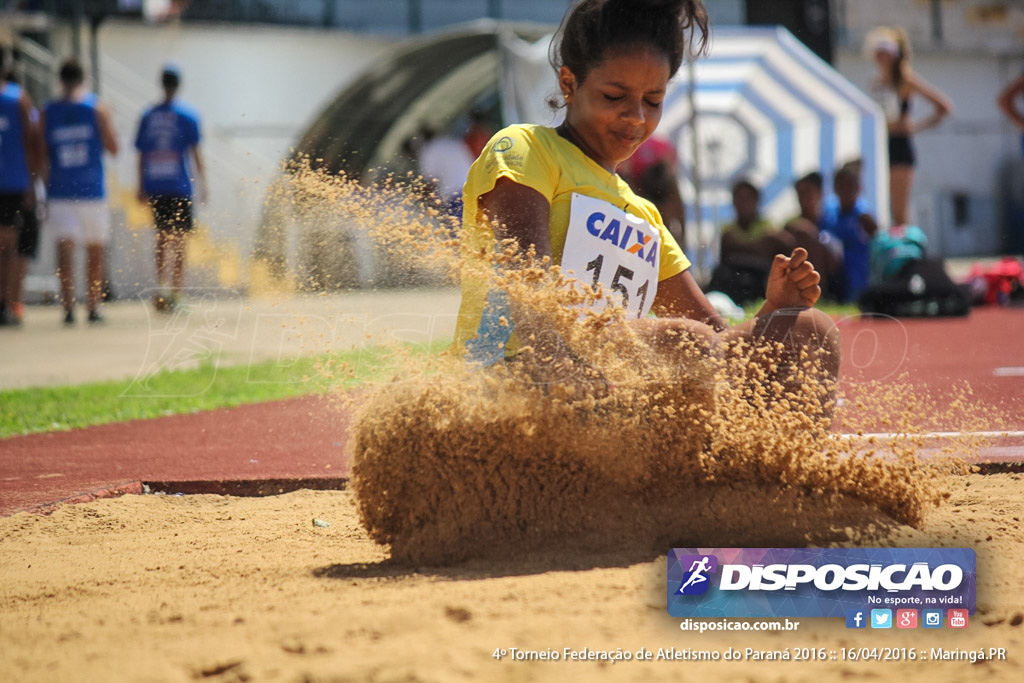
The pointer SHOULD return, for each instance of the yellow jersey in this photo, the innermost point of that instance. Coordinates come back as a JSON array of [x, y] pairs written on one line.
[[539, 158]]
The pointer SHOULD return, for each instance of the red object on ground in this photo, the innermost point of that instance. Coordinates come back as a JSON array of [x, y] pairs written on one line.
[[998, 281], [301, 443]]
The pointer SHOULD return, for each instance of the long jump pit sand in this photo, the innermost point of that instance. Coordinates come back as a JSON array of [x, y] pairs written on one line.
[[501, 527], [168, 588]]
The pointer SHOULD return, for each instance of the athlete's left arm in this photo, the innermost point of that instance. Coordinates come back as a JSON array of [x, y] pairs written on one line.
[[942, 107], [681, 297], [1007, 104], [32, 139], [106, 129]]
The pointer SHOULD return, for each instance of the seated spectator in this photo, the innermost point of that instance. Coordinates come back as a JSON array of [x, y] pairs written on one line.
[[823, 250], [748, 246], [651, 173], [846, 218]]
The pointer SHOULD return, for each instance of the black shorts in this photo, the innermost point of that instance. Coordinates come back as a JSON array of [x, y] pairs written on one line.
[[901, 151], [28, 234], [172, 213], [11, 204]]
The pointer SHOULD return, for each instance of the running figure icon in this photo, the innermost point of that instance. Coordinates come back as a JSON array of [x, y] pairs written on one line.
[[698, 573]]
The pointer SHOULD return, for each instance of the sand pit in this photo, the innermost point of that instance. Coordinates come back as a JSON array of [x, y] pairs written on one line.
[[161, 588]]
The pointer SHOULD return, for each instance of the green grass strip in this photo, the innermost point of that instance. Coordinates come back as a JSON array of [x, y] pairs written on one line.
[[206, 387], [836, 311]]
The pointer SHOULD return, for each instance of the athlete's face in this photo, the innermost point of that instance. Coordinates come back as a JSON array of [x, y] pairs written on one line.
[[619, 103], [884, 60]]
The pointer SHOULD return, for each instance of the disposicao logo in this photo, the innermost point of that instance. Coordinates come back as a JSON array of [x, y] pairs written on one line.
[[697, 579], [819, 582]]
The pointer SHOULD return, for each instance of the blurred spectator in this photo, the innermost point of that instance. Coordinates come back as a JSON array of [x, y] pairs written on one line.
[[444, 162], [651, 172], [823, 250], [478, 134], [167, 141], [847, 219], [20, 158], [748, 246], [77, 130], [1011, 103], [894, 87]]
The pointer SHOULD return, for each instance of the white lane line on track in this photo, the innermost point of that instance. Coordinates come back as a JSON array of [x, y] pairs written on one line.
[[889, 436], [1009, 372]]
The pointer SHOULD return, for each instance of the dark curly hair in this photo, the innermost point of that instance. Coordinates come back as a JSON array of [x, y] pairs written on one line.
[[71, 72], [592, 27]]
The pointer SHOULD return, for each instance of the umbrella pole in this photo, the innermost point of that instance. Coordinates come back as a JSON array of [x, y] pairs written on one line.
[[702, 250]]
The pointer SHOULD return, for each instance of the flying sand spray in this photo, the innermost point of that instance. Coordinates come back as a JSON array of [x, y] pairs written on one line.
[[453, 461]]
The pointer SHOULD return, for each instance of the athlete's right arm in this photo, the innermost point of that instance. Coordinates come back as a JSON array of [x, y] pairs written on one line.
[[141, 168], [518, 212], [521, 213]]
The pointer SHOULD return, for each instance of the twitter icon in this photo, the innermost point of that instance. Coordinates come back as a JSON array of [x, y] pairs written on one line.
[[881, 618]]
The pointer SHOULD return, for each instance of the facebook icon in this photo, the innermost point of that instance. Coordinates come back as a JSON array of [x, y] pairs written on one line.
[[856, 618]]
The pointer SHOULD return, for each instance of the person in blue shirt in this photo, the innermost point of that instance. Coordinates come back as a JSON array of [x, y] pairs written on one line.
[[77, 130], [168, 145], [20, 150], [846, 218]]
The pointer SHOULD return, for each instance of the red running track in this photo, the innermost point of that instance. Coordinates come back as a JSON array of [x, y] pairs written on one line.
[[300, 443]]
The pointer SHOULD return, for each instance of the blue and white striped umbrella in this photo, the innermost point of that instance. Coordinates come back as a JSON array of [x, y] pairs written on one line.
[[768, 109]]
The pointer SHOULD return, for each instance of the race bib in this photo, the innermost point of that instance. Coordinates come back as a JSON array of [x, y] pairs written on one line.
[[609, 247], [73, 155], [162, 165]]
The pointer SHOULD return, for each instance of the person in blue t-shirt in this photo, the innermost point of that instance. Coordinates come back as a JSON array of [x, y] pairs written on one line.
[[846, 218], [20, 152], [77, 130], [168, 144]]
